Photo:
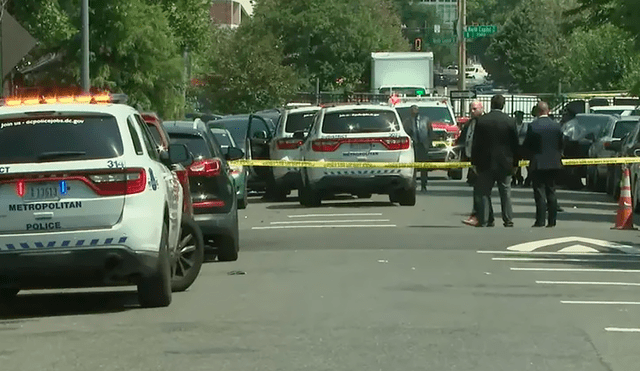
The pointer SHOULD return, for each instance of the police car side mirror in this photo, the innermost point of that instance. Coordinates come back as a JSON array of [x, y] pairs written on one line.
[[234, 153], [178, 154], [299, 135]]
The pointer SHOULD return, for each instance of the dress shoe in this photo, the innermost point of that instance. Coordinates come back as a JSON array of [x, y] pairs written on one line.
[[508, 224], [551, 225], [537, 225]]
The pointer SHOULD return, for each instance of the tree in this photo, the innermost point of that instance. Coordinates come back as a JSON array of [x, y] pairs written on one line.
[[601, 58], [525, 53], [330, 39], [133, 49], [245, 74]]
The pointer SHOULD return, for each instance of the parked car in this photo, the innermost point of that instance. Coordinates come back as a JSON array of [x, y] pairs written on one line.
[[629, 146], [613, 132], [617, 110], [579, 134], [191, 246], [253, 134], [239, 173], [118, 208], [285, 147], [212, 186]]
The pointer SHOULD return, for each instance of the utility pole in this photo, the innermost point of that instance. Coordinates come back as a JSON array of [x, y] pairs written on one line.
[[462, 53], [86, 84], [2, 5]]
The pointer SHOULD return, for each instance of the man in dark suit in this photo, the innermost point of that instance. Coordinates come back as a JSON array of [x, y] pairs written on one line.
[[493, 153], [543, 144]]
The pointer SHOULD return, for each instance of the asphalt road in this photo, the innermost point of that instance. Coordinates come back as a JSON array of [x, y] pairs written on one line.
[[367, 285]]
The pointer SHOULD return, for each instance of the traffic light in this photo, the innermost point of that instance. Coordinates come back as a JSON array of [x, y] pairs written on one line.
[[417, 44]]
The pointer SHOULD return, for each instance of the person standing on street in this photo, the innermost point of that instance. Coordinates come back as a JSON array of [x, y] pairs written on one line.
[[543, 144], [419, 129], [476, 110], [494, 155]]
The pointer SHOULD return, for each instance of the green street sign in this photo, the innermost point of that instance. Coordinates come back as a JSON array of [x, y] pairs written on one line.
[[471, 32], [445, 40]]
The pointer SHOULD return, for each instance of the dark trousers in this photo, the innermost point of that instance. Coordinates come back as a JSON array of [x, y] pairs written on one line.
[[544, 193], [482, 196]]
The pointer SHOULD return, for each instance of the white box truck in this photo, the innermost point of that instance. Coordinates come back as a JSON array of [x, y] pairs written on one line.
[[407, 74]]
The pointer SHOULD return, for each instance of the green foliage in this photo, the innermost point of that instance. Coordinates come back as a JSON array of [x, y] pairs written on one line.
[[245, 74], [525, 53], [600, 59], [330, 39]]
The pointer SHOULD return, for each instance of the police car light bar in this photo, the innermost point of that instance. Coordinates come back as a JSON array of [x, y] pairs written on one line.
[[82, 99]]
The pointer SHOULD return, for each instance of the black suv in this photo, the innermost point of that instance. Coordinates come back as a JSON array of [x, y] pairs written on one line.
[[213, 195]]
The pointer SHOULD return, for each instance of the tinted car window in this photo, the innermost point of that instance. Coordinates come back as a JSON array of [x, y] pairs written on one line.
[[59, 138], [299, 121], [196, 144], [222, 137], [623, 127], [370, 121], [237, 128], [433, 114], [155, 133]]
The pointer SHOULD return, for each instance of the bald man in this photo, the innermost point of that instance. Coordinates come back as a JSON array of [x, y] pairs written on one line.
[[543, 144]]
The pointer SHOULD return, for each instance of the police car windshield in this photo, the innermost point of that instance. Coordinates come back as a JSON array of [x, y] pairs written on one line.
[[299, 121], [196, 144], [74, 137], [361, 121], [433, 114]]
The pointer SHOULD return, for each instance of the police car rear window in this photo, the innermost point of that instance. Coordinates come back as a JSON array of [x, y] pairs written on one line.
[[59, 138], [360, 122], [299, 121], [196, 144]]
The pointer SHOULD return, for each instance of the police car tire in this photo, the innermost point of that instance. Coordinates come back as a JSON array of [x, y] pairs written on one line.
[[228, 249], [189, 227], [155, 290], [407, 197], [8, 294], [242, 202]]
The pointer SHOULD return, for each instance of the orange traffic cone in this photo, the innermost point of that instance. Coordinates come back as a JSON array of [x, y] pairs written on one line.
[[624, 219]]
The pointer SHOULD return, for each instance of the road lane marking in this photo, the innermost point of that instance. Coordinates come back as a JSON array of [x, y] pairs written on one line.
[[530, 246], [567, 260], [328, 226], [600, 302], [576, 270], [333, 221], [578, 248], [588, 283], [321, 215], [621, 329], [554, 253]]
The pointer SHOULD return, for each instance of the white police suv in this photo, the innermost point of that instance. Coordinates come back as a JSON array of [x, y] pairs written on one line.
[[285, 147], [357, 133], [85, 199]]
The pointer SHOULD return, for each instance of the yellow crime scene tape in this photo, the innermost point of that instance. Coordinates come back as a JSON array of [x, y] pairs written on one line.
[[419, 165]]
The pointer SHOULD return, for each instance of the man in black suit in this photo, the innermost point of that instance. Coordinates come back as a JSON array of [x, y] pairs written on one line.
[[543, 144], [493, 153]]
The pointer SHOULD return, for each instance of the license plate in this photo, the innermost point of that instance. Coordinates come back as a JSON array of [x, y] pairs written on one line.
[[42, 192], [360, 146]]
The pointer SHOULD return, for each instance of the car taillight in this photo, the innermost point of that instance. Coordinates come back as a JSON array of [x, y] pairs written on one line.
[[128, 182], [396, 143], [20, 188], [208, 204], [208, 168], [288, 143], [325, 145]]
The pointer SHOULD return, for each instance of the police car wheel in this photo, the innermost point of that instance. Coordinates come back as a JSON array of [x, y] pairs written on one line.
[[155, 290], [8, 294], [190, 256], [407, 197]]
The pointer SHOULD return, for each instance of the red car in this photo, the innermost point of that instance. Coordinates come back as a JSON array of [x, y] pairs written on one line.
[[191, 247]]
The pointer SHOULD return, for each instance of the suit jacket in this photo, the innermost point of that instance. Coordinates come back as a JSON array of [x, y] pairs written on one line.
[[495, 142], [543, 144]]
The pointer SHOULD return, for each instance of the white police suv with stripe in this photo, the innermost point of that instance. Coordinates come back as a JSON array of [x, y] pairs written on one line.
[[86, 199], [358, 133]]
